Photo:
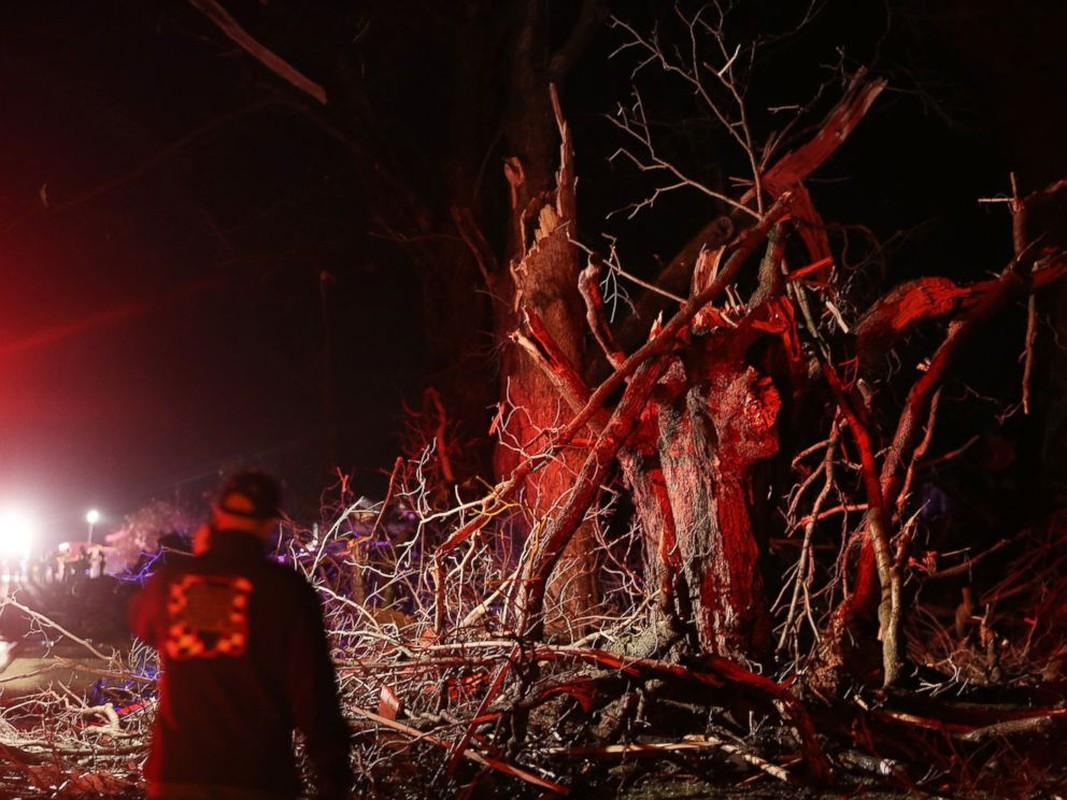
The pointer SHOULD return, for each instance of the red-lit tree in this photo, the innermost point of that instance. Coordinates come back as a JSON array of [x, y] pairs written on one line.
[[484, 253], [751, 364]]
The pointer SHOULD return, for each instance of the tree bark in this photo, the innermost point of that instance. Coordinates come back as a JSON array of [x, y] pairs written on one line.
[[721, 425], [542, 277]]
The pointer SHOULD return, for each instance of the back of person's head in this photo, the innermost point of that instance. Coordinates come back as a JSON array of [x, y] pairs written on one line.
[[249, 501]]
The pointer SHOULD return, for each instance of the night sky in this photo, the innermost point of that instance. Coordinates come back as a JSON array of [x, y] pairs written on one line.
[[163, 306], [175, 244]]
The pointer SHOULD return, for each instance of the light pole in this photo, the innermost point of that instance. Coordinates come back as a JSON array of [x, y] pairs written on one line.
[[92, 517]]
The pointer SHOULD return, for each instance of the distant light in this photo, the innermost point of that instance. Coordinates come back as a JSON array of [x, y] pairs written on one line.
[[92, 516], [64, 547], [16, 534]]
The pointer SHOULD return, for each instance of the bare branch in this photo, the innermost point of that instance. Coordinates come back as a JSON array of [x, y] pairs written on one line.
[[264, 55]]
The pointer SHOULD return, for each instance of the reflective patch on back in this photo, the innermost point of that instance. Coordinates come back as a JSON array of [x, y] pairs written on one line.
[[207, 616]]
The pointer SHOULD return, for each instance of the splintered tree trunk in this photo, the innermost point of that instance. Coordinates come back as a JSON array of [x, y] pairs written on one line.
[[715, 420], [542, 282], [545, 285]]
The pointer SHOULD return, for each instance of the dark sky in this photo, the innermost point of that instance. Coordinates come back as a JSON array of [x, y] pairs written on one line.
[[164, 238], [162, 313]]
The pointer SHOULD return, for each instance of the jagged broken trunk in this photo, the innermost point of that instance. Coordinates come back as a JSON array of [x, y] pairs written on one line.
[[692, 472], [539, 290], [544, 281]]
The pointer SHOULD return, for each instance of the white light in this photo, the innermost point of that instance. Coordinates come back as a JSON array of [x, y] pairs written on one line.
[[16, 535], [92, 516]]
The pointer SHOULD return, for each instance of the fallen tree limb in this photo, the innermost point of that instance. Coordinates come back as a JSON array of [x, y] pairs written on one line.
[[659, 748], [47, 621], [472, 755], [718, 673], [1014, 727], [929, 723], [965, 567]]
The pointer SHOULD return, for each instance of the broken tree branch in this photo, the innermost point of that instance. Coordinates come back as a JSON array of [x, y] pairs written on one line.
[[791, 170], [589, 288], [665, 338], [264, 55], [472, 755], [714, 672]]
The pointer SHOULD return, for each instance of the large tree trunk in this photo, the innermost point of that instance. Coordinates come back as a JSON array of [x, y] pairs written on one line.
[[691, 469], [537, 273], [542, 282], [711, 437]]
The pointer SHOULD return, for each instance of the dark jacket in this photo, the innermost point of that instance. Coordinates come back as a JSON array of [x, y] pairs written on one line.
[[245, 661]]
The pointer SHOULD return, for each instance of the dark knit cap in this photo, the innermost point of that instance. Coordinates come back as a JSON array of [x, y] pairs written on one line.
[[260, 489]]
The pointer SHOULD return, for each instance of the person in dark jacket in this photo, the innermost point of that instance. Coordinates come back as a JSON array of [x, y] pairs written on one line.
[[245, 661]]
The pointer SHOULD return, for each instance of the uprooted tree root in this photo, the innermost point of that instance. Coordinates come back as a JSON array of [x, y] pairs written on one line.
[[472, 710]]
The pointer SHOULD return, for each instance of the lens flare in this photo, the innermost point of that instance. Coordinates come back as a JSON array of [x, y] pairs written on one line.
[[16, 535]]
